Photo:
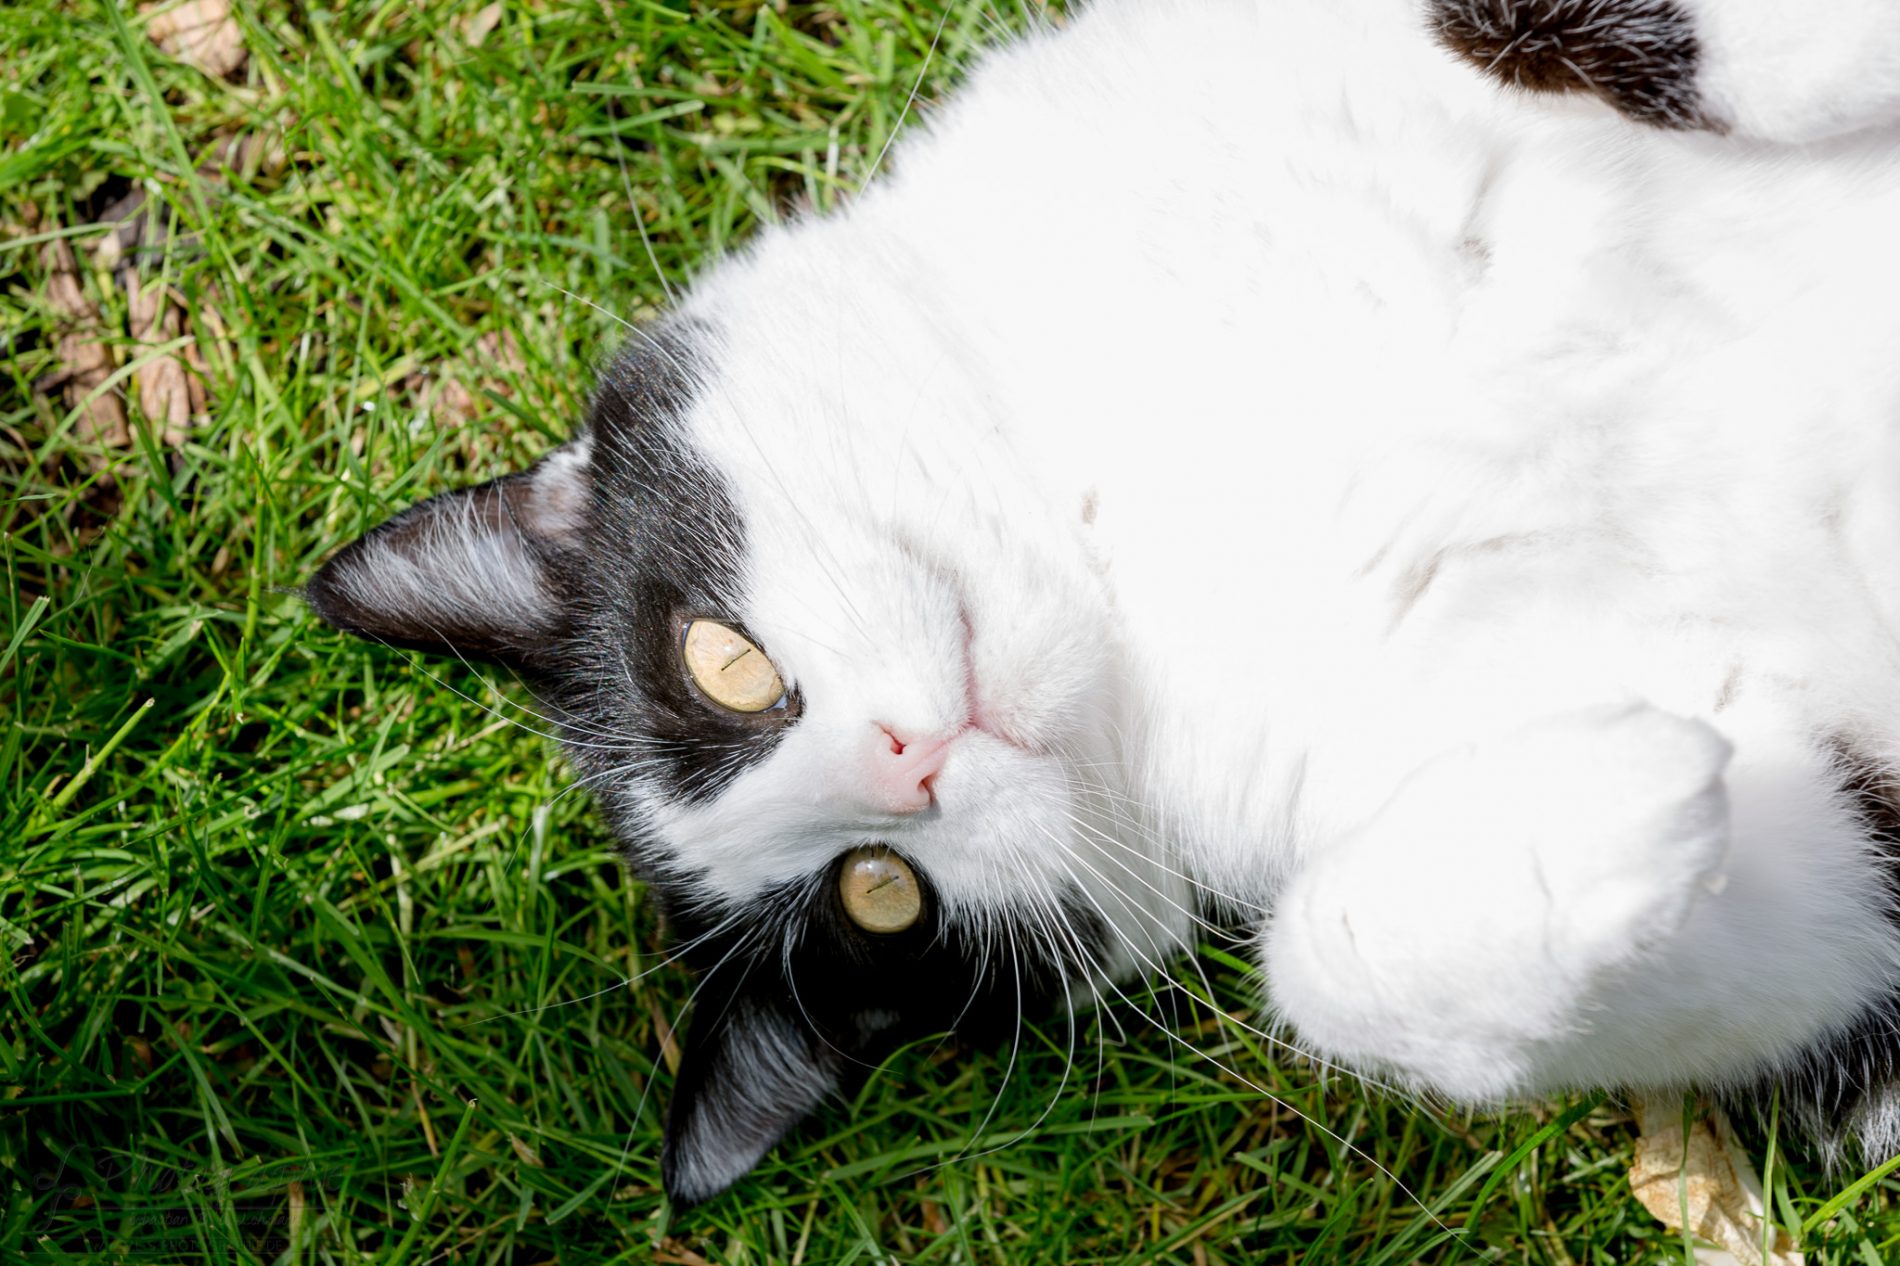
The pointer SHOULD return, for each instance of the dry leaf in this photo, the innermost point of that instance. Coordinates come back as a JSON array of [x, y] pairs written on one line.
[[164, 386], [114, 250], [200, 33], [296, 1212], [210, 331], [674, 1253], [501, 352], [171, 384], [29, 221], [260, 149], [493, 360], [85, 362], [454, 404], [669, 1047], [195, 380], [477, 26], [527, 1154], [1716, 1181]]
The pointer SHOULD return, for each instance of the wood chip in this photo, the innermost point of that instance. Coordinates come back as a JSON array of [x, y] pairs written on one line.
[[1713, 1178], [200, 33]]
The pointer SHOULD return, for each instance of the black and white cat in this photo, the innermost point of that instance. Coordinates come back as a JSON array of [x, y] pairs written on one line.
[[1254, 460]]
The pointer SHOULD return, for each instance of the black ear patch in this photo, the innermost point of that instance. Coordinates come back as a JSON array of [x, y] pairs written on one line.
[[479, 572], [1641, 56], [752, 1071]]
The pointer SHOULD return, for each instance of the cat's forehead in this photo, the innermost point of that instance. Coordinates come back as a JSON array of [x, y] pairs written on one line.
[[815, 500], [829, 385]]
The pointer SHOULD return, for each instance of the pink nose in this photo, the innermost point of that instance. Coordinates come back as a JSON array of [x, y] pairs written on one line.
[[897, 772]]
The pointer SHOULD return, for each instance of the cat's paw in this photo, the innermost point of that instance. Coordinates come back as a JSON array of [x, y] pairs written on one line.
[[1600, 827], [1506, 888]]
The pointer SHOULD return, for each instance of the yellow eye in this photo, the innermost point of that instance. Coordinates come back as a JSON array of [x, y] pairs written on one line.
[[880, 890], [730, 669]]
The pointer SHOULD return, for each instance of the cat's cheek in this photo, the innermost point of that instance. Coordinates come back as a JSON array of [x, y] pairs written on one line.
[[774, 824], [1000, 837]]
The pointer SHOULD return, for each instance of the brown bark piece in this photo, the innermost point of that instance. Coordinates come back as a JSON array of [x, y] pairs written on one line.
[[1714, 1179]]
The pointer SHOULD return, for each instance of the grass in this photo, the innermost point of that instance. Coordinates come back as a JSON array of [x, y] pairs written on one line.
[[310, 954]]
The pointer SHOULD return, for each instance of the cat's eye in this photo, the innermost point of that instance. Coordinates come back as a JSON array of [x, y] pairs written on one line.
[[879, 890], [729, 668]]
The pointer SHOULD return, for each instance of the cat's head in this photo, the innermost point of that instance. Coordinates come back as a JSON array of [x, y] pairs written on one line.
[[850, 705]]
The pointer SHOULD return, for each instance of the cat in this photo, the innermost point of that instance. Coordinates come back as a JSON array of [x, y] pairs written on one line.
[[1420, 481]]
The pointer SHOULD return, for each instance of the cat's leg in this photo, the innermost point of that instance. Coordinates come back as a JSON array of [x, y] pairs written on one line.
[[1615, 896]]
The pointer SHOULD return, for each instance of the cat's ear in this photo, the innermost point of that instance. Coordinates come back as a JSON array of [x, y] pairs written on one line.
[[752, 1071], [482, 572]]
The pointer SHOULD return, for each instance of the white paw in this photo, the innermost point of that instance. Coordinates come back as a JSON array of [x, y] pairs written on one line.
[[1500, 895], [1610, 822]]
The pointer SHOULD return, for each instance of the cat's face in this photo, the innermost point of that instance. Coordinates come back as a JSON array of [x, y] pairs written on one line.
[[855, 721]]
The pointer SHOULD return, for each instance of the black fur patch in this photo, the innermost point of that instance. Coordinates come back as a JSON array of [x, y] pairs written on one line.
[[1641, 56], [1876, 796], [590, 614], [667, 546]]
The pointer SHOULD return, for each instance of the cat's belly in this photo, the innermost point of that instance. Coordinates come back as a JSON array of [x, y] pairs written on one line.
[[1389, 419], [1631, 470], [1386, 537]]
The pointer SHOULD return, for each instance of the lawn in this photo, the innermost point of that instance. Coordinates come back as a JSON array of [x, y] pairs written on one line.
[[313, 954]]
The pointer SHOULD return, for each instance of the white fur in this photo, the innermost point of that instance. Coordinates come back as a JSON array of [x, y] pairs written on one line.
[[1796, 72], [1375, 496]]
